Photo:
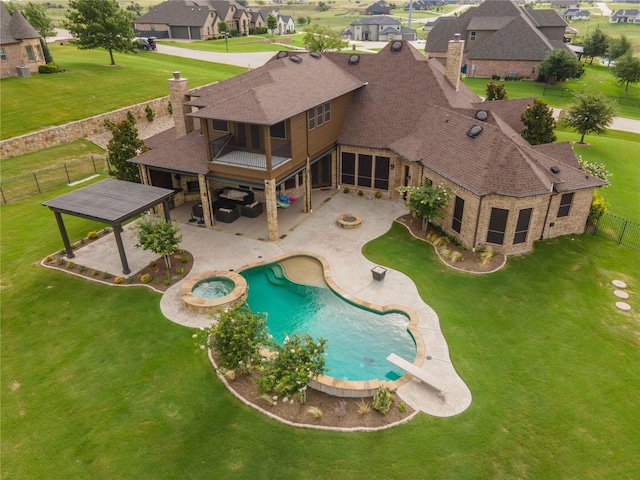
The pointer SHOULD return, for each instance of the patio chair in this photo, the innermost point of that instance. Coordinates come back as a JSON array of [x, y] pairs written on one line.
[[227, 215], [251, 210]]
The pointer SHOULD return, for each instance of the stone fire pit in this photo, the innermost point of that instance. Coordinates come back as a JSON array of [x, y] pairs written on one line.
[[349, 220]]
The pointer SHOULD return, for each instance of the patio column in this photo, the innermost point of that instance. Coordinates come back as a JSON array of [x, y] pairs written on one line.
[[205, 199], [307, 187], [117, 230], [63, 234], [272, 209], [266, 140]]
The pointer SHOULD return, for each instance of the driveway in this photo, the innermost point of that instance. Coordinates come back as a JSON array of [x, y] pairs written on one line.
[[247, 60]]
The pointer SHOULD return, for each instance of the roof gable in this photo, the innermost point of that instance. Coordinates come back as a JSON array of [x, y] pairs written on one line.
[[15, 27]]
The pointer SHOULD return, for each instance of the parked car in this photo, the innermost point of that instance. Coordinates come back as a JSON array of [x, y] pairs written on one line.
[[146, 43]]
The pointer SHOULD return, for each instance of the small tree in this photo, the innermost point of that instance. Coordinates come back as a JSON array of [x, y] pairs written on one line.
[[320, 38], [236, 337], [627, 70], [294, 364], [160, 237], [599, 206], [539, 124], [302, 21], [495, 91], [124, 145], [591, 113], [223, 27], [426, 202], [101, 24], [595, 44], [272, 23], [560, 64], [618, 46]]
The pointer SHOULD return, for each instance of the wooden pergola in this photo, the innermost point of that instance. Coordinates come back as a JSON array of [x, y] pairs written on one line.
[[112, 202]]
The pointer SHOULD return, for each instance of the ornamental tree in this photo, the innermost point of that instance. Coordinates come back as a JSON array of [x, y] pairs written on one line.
[[627, 70], [272, 23], [237, 338], [293, 365], [591, 113], [101, 24], [595, 169], [320, 38], [426, 202], [560, 64], [539, 124], [595, 44], [160, 237], [124, 144], [495, 91]]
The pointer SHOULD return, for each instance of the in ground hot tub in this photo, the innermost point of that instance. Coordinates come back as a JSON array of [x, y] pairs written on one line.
[[212, 291]]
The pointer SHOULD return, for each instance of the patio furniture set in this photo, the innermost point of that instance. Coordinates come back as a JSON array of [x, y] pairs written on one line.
[[231, 203]]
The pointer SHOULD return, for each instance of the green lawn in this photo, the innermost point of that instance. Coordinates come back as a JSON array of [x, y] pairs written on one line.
[[90, 86], [236, 45]]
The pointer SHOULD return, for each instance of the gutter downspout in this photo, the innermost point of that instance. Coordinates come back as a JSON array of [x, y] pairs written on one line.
[[546, 215]]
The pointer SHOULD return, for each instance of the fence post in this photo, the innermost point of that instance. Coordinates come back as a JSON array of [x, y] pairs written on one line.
[[37, 184], [624, 227], [4, 200], [95, 170], [67, 172]]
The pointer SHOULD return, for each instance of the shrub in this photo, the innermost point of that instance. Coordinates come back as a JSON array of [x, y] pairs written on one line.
[[315, 412], [106, 275], [402, 408], [452, 255], [48, 259], [382, 400], [170, 108], [118, 280], [340, 408], [486, 255], [92, 235], [167, 282], [438, 241], [71, 265], [60, 261], [378, 195], [48, 68], [346, 190], [363, 407], [146, 278], [148, 111], [360, 193], [94, 272], [599, 207], [179, 271], [81, 268], [184, 259]]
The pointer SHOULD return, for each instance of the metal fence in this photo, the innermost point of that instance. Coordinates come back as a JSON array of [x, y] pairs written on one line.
[[621, 230], [23, 186]]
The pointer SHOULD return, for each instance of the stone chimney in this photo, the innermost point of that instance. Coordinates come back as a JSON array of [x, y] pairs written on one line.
[[178, 95], [454, 61]]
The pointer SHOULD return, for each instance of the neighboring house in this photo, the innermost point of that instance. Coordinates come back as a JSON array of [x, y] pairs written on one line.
[[575, 14], [422, 5], [500, 38], [193, 19], [258, 20], [20, 49], [286, 24], [564, 4], [625, 16], [371, 123], [378, 29], [378, 9], [429, 24]]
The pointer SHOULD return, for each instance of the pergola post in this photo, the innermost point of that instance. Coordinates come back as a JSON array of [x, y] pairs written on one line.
[[307, 187], [63, 234], [117, 230]]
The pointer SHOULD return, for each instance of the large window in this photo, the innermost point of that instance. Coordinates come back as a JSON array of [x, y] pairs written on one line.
[[522, 227], [278, 130], [497, 226], [30, 54], [348, 168], [565, 204], [458, 210], [220, 125], [3, 55], [381, 173], [365, 164], [319, 115]]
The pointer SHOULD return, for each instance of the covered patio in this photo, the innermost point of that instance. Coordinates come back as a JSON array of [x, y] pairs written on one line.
[[112, 202]]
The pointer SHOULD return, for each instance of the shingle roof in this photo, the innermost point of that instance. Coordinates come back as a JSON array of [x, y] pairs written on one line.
[[547, 18], [186, 153], [14, 28], [179, 13], [376, 20], [508, 110], [277, 91]]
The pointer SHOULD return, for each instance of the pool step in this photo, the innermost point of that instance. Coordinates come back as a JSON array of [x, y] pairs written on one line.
[[275, 274]]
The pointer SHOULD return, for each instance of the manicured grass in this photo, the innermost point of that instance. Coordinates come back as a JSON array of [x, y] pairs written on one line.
[[90, 86], [236, 45], [97, 384], [597, 78]]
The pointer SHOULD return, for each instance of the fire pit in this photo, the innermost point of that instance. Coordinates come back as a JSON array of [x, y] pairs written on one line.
[[349, 220]]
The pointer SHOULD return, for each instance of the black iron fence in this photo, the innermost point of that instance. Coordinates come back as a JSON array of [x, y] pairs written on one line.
[[620, 230], [23, 186]]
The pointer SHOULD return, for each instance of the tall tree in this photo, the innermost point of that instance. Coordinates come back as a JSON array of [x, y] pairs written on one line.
[[36, 14], [124, 144], [101, 24], [627, 70], [539, 124], [495, 91], [618, 46], [595, 44], [591, 113], [560, 64], [272, 23], [320, 38]]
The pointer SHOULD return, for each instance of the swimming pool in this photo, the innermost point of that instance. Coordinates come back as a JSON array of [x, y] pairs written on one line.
[[359, 339]]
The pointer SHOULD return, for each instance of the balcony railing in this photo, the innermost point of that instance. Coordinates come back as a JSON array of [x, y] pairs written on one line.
[[223, 152]]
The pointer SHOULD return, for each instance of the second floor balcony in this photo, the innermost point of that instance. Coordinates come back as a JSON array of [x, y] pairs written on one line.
[[225, 152]]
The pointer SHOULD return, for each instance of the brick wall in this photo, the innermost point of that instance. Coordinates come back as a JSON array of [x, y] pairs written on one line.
[[486, 68], [17, 56], [73, 131]]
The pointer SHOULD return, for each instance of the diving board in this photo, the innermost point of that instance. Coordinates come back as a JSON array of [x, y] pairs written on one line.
[[420, 374]]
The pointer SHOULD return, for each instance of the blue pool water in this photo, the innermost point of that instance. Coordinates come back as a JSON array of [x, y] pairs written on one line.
[[358, 340], [215, 287]]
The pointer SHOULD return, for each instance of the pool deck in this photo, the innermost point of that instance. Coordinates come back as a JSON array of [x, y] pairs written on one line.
[[320, 234]]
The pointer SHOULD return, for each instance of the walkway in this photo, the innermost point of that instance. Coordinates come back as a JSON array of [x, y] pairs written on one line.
[[351, 271]]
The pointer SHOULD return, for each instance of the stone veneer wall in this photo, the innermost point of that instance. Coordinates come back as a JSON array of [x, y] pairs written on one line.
[[486, 68], [73, 131]]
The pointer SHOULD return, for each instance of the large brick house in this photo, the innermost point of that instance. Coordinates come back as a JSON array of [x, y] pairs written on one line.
[[372, 123], [19, 44], [500, 38]]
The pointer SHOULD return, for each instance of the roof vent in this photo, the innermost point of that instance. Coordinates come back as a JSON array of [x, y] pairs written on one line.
[[396, 46], [474, 131], [354, 59], [315, 55], [482, 115], [555, 169], [282, 54], [295, 59]]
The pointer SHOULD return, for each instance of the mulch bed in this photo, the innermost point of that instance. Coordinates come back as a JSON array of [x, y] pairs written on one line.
[[471, 260]]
